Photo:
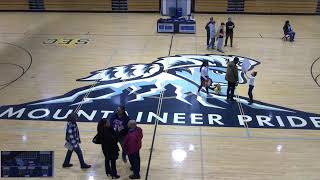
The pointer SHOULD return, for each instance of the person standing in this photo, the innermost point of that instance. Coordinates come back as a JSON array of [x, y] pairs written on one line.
[[232, 78], [220, 37], [208, 31], [287, 29], [73, 142], [212, 29], [109, 144], [132, 144], [251, 79], [204, 76], [119, 122], [229, 32]]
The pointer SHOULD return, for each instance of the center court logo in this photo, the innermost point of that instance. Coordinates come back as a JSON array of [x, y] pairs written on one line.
[[175, 79]]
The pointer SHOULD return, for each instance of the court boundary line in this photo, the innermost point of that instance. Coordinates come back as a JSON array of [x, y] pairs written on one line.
[[315, 79], [156, 120], [62, 129], [245, 124], [161, 34], [15, 65], [201, 153], [200, 128], [24, 70], [109, 60]]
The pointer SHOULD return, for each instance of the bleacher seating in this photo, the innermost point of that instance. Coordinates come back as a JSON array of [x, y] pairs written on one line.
[[143, 5], [318, 8], [276, 6], [201, 6], [14, 5], [78, 5], [211, 5]]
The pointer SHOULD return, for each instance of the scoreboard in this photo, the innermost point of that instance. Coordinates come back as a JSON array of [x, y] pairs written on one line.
[[27, 163]]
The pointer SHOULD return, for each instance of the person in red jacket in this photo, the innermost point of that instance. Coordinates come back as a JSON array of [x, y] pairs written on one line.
[[132, 144]]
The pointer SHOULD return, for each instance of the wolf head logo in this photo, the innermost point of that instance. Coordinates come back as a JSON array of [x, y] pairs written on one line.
[[174, 82], [148, 80]]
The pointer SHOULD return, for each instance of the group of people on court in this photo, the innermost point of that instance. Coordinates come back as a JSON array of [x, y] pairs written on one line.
[[231, 77], [226, 29], [118, 129], [213, 35]]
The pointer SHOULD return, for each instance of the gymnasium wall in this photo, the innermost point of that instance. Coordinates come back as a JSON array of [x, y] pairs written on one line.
[[200, 6], [258, 6]]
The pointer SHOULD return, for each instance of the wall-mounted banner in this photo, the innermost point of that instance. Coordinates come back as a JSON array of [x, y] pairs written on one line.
[[138, 87]]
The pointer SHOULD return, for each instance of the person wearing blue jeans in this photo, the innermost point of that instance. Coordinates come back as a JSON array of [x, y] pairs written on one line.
[[73, 142], [287, 30]]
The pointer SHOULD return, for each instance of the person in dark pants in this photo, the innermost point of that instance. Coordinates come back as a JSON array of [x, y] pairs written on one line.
[[208, 31], [204, 77], [232, 78], [109, 144], [229, 32], [133, 143], [287, 30], [119, 122], [251, 79], [73, 142]]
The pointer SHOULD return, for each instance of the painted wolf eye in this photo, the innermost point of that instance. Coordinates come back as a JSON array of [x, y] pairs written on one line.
[[218, 72]]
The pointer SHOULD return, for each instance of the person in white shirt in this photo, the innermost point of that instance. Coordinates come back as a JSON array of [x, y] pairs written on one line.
[[251, 79], [204, 77]]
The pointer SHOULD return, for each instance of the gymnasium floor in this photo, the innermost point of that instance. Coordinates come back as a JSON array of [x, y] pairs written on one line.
[[34, 66]]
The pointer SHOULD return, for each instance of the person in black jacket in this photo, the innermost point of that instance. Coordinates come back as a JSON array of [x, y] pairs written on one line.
[[109, 144], [287, 30], [229, 32], [119, 122], [208, 31]]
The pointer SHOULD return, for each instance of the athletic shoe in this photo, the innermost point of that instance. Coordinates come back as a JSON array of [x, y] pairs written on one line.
[[67, 165], [134, 177], [85, 166]]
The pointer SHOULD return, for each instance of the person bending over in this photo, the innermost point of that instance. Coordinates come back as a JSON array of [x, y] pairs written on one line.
[[288, 31]]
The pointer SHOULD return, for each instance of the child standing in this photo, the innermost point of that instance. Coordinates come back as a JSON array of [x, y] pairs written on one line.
[[220, 36], [204, 76], [251, 79]]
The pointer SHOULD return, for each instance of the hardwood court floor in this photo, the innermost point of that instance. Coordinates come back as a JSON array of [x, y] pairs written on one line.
[[284, 79]]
